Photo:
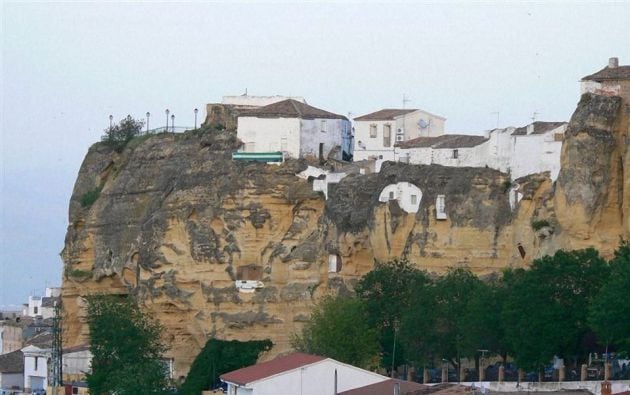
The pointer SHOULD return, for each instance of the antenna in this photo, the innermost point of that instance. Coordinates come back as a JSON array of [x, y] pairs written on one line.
[[405, 100], [497, 113], [533, 118]]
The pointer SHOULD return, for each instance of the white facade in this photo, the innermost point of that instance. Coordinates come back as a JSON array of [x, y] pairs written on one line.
[[76, 363], [294, 136], [375, 139], [517, 154], [34, 306], [35, 367], [315, 379], [407, 195]]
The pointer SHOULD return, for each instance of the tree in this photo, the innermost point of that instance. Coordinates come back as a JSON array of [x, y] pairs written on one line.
[[219, 357], [338, 329], [118, 136], [609, 312], [387, 292], [545, 310], [126, 348]]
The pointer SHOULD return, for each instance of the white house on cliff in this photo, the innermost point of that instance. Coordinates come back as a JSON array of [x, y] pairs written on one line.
[[375, 134], [294, 128]]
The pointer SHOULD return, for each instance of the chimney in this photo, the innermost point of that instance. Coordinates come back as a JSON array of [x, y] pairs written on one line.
[[613, 63]]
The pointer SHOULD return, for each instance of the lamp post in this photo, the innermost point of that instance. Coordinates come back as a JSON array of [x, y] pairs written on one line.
[[148, 115], [167, 112], [111, 119], [196, 111], [173, 123]]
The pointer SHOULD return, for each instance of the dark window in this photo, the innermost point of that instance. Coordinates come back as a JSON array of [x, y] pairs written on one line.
[[455, 154]]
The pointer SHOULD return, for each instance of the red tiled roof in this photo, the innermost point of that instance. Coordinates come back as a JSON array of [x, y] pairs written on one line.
[[270, 368], [384, 115], [290, 109], [610, 73], [386, 387]]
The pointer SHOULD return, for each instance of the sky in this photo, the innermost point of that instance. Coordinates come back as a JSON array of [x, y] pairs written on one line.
[[67, 65]]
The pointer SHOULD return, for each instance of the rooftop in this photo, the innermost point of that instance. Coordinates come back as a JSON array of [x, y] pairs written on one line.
[[12, 362], [291, 109], [611, 72], [444, 141], [271, 368], [540, 127], [386, 387], [385, 114]]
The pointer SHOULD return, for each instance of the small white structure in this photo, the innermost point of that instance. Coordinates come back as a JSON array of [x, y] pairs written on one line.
[[375, 134], [407, 195], [42, 306], [36, 368], [612, 80], [11, 371], [322, 178], [440, 207], [294, 128], [298, 374], [248, 286]]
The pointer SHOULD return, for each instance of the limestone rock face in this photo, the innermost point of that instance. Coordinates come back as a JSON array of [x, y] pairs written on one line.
[[186, 230]]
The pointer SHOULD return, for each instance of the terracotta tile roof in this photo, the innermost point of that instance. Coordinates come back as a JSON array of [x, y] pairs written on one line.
[[610, 74], [290, 109], [384, 115], [444, 141], [386, 387], [540, 127], [270, 368], [12, 362]]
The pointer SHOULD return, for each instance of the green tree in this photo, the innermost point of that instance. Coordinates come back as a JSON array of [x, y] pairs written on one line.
[[126, 348], [338, 329], [117, 136], [387, 292], [545, 310], [609, 312], [219, 357]]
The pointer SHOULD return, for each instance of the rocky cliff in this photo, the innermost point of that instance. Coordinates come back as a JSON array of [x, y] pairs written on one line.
[[177, 223]]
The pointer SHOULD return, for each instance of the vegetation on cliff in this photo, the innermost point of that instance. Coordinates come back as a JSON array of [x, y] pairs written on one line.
[[126, 348], [564, 305]]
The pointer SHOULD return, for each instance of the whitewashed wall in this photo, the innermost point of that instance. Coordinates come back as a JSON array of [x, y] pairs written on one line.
[[412, 130], [77, 362], [270, 134], [33, 377], [311, 135], [366, 147], [403, 192], [536, 154], [315, 379]]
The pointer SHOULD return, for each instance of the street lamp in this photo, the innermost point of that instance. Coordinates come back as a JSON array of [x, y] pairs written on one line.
[[196, 111], [167, 112], [148, 115], [111, 119], [173, 123]]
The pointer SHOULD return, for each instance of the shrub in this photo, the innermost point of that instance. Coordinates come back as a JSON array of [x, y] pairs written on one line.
[[538, 224], [118, 136], [89, 197]]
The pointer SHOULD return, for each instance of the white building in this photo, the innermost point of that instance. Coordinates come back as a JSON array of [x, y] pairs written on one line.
[[42, 306], [36, 368], [298, 374], [406, 194], [76, 363], [11, 372], [376, 134], [530, 149], [293, 127]]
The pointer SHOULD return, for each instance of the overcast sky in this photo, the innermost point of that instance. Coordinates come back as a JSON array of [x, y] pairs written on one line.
[[67, 66]]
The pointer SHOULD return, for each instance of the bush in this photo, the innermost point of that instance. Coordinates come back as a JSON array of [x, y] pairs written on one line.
[[89, 197], [538, 224], [118, 136], [219, 357]]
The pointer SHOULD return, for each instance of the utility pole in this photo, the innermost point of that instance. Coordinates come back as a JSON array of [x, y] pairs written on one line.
[[57, 351]]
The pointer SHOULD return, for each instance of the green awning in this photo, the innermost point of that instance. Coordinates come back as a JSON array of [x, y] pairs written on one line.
[[258, 156]]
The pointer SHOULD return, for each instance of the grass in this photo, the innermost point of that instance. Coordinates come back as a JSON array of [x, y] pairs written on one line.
[[538, 224], [89, 197], [78, 274]]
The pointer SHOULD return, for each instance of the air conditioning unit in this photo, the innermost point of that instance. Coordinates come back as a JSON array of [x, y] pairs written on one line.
[[400, 137], [400, 131]]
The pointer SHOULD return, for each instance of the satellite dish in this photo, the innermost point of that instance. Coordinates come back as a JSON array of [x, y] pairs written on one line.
[[423, 124]]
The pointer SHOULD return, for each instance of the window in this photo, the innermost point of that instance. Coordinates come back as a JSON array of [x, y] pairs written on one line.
[[324, 129], [334, 263], [414, 199], [373, 131], [440, 207], [75, 390], [36, 363], [455, 154], [387, 135], [391, 195], [35, 310]]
